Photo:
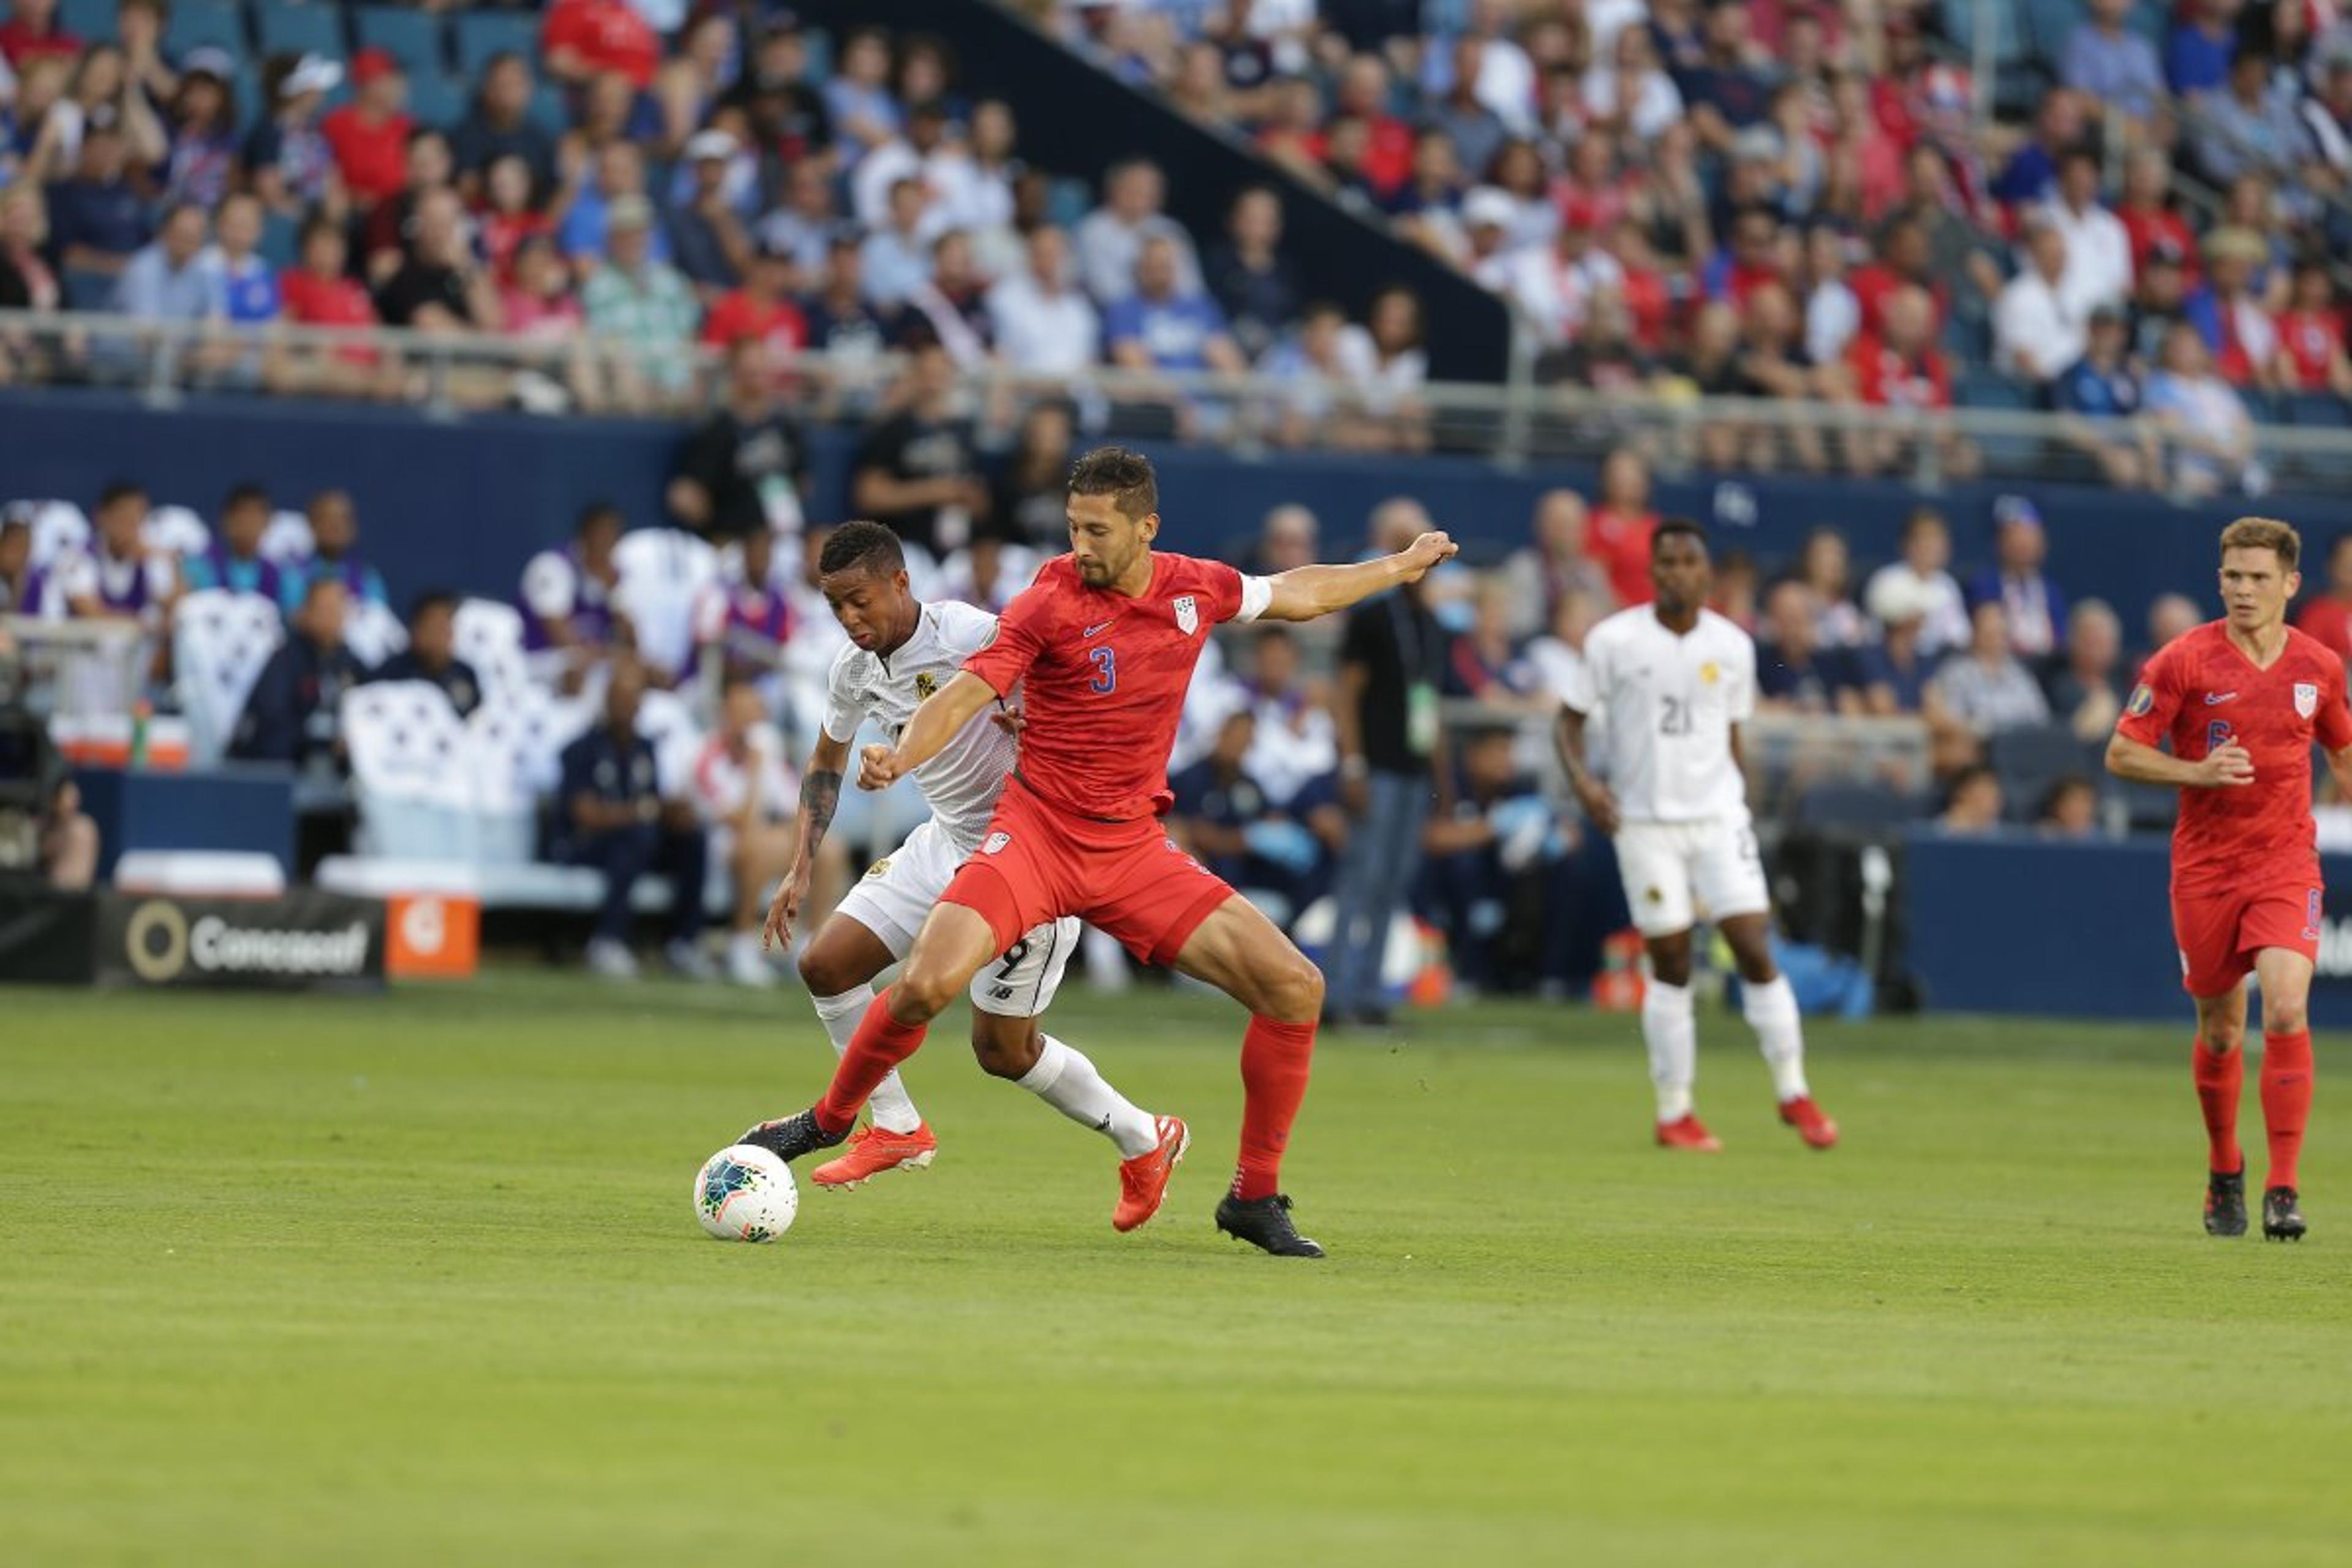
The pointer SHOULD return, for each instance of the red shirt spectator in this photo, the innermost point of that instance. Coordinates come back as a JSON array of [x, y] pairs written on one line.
[[2329, 619], [585, 36], [2149, 227], [2311, 340], [1619, 540], [776, 322], [1874, 282], [1884, 377], [312, 296], [31, 31], [370, 135], [504, 233]]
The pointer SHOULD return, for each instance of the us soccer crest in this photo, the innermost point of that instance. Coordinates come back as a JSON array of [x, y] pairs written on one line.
[[2306, 699], [925, 683], [1188, 614]]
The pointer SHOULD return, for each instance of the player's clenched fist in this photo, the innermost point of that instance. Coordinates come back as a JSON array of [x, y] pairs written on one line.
[[2226, 767], [1426, 552], [878, 767]]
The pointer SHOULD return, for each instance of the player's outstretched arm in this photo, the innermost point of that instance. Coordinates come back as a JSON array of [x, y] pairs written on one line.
[[942, 714], [2225, 767], [1310, 593]]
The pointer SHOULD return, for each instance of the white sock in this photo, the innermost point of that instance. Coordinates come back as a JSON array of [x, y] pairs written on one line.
[[1671, 1031], [1064, 1080], [1771, 1010], [893, 1110]]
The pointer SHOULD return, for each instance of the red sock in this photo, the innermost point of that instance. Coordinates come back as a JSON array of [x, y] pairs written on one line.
[[2286, 1100], [1274, 1058], [2219, 1075], [880, 1044]]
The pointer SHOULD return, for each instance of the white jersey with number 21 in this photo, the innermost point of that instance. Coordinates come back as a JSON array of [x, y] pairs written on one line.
[[1666, 705]]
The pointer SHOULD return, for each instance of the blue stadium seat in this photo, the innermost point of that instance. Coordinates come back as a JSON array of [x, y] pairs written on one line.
[[412, 37], [2049, 23], [87, 290], [436, 99], [2028, 760], [91, 21], [298, 28], [281, 240], [548, 110], [1982, 387], [818, 45], [481, 34], [1857, 806], [2320, 410], [1960, 21], [1071, 200], [205, 24]]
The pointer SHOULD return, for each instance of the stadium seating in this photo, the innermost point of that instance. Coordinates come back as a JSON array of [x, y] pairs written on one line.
[[298, 28], [205, 24], [220, 641], [92, 21], [412, 37], [479, 35], [175, 530], [489, 638], [665, 574]]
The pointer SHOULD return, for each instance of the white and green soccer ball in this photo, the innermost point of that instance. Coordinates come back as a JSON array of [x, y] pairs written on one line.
[[744, 1193]]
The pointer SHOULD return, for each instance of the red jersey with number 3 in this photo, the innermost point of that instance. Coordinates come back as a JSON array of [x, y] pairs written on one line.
[[1106, 676], [2201, 692]]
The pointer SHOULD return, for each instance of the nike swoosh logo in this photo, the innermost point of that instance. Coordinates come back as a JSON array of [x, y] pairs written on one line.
[[2212, 698], [1100, 625]]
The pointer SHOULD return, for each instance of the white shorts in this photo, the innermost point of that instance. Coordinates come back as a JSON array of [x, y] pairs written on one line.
[[894, 898], [1675, 872]]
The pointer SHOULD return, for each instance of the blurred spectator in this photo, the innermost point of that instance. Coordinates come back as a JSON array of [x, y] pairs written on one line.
[[1109, 241], [287, 161], [1735, 586], [1161, 325], [753, 616], [1931, 241], [2107, 61], [320, 292], [1247, 276], [2039, 326], [508, 216], [1044, 325], [2327, 615], [1630, 93], [703, 54], [841, 324], [1824, 565], [97, 221], [1558, 655], [440, 287], [432, 654], [951, 305], [1895, 669], [200, 130], [2171, 616], [858, 97], [2211, 438], [2311, 355], [567, 593], [116, 576], [1794, 674], [26, 280], [788, 115], [1492, 860], [1987, 689], [2031, 175], [294, 713], [1620, 524], [1225, 817], [2098, 267], [1833, 315], [896, 258], [745, 469], [540, 306], [747, 802], [2151, 221], [1028, 501], [33, 32], [388, 233], [1460, 112], [1900, 368], [805, 226], [619, 174], [615, 820], [234, 560], [580, 38], [2250, 124], [1297, 746], [499, 125], [713, 248], [2239, 333], [918, 470], [1287, 540], [1728, 91], [334, 552], [24, 587], [1973, 804], [1557, 563], [939, 167], [2159, 302], [760, 309], [1923, 577], [1428, 210], [2087, 693], [1317, 401], [1485, 663], [167, 282], [370, 134], [245, 286], [2033, 608], [2070, 808], [1392, 663], [2105, 384], [1391, 364], [646, 305]]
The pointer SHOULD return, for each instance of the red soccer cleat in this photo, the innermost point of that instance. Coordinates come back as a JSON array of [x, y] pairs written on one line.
[[1813, 1124], [1688, 1133], [1143, 1180], [873, 1149]]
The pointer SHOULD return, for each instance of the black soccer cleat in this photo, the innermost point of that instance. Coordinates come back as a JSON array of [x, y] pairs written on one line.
[[2225, 1203], [2281, 1218], [1264, 1224], [791, 1137]]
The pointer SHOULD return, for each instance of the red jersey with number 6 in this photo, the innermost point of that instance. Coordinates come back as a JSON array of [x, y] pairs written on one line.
[[1106, 676], [2201, 692]]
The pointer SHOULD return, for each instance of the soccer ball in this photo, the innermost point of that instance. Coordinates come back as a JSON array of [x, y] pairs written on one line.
[[744, 1193]]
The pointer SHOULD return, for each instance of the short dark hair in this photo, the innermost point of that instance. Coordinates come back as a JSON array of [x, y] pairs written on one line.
[[430, 600], [2264, 533], [1121, 473], [249, 493], [1678, 528], [119, 491], [598, 511], [861, 546]]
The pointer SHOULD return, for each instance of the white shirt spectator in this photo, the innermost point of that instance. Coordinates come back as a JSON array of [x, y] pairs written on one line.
[[2037, 330], [720, 782], [1382, 386], [947, 172], [1107, 249], [1048, 333], [1943, 609], [2098, 256], [1657, 104], [1833, 315]]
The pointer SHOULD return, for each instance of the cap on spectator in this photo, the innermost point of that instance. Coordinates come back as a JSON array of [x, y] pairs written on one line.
[[1899, 598], [2166, 251], [373, 64], [629, 212], [209, 61], [2233, 243], [1488, 208], [1757, 142], [312, 73], [2017, 509], [712, 143]]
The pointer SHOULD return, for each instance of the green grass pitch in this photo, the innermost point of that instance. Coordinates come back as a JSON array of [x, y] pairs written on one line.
[[414, 1280]]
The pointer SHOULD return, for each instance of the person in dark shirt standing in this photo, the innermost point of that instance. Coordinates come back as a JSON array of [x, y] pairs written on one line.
[[744, 469], [1392, 662], [1247, 276], [917, 472], [499, 126], [432, 654], [295, 712], [615, 821], [440, 287]]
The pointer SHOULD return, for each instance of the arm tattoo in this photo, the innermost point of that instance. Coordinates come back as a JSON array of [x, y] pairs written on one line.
[[820, 796]]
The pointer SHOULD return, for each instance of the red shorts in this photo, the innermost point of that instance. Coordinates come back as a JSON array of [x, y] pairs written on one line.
[[1040, 863], [2221, 931]]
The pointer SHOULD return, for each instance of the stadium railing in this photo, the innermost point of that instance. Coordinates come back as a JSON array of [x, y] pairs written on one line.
[[2297, 443]]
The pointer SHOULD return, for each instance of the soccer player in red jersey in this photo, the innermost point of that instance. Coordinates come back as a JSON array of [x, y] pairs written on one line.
[[2242, 700], [1103, 645]]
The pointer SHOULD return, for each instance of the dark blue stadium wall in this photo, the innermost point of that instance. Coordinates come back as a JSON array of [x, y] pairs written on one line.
[[1091, 121], [463, 503]]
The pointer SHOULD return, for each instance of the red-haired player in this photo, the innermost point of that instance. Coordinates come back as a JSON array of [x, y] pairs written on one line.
[[1103, 644], [2242, 700]]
